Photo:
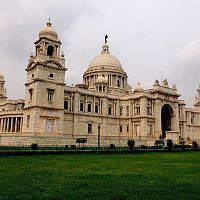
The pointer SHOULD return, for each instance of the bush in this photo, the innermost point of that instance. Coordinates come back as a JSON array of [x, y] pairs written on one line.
[[169, 144], [73, 147], [131, 144], [143, 146], [194, 144], [66, 147], [112, 146], [34, 146], [159, 143]]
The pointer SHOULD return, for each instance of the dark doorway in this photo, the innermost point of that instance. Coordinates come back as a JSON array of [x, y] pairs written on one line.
[[166, 114]]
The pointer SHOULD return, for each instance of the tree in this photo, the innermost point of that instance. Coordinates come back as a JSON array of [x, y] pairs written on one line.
[[131, 144]]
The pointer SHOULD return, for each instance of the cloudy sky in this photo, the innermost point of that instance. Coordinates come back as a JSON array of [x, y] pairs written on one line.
[[153, 39]]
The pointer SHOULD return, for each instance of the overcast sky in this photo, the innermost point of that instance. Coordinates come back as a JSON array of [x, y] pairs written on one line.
[[149, 37]]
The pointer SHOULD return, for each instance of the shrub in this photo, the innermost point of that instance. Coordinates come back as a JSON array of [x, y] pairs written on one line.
[[66, 147], [194, 144], [34, 146], [143, 146], [159, 143], [112, 146], [73, 147], [169, 144], [131, 144]]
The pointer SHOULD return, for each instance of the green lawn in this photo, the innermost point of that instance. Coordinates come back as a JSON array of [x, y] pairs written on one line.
[[130, 176]]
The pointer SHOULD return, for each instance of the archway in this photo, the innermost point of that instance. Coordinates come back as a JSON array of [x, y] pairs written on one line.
[[166, 115], [50, 50]]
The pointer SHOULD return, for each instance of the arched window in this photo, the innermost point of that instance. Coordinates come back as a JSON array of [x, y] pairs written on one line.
[[118, 83], [50, 50]]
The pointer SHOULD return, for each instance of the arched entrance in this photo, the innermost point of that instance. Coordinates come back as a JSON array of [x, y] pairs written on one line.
[[166, 115]]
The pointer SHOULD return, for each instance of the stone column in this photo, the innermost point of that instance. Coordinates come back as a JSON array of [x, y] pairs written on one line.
[[15, 124], [93, 110], [3, 125], [58, 53], [11, 125], [100, 107], [76, 102], [6, 125], [21, 124], [143, 114], [176, 118], [157, 115]]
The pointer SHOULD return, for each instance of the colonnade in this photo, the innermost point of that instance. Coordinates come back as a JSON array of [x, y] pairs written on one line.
[[11, 124]]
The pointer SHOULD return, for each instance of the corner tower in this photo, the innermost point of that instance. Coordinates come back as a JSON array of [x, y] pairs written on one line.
[[44, 101], [3, 93]]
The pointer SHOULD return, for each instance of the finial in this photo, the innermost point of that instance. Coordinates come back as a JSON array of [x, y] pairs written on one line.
[[49, 22], [62, 55], [106, 37], [31, 55], [174, 86]]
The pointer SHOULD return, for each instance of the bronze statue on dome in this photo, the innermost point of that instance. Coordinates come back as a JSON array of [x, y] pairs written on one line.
[[106, 37]]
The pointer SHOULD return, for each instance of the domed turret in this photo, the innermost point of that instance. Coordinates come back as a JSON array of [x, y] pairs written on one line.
[[48, 31], [138, 88]]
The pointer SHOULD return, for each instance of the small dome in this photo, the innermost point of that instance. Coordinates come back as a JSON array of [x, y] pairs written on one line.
[[101, 79], [105, 59], [138, 88], [48, 31]]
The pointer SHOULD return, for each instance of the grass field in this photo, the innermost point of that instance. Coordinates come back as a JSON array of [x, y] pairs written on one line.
[[130, 176]]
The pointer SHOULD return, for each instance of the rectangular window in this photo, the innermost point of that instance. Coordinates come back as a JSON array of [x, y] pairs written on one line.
[[137, 110], [30, 95], [150, 129], [89, 128], [127, 110], [81, 106], [192, 118], [50, 95], [66, 104], [89, 107], [120, 111], [137, 130], [100, 88], [120, 129], [109, 110], [96, 108], [28, 121], [127, 129]]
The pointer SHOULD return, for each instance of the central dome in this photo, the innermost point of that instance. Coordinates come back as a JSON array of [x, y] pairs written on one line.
[[105, 59]]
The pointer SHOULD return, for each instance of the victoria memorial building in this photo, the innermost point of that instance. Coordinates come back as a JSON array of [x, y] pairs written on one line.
[[104, 109]]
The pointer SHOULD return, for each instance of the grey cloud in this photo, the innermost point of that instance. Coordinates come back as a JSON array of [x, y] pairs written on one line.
[[146, 36]]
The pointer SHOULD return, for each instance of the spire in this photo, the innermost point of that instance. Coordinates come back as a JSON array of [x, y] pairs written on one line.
[[105, 47]]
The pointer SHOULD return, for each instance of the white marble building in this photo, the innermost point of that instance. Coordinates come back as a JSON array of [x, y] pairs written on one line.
[[104, 108]]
